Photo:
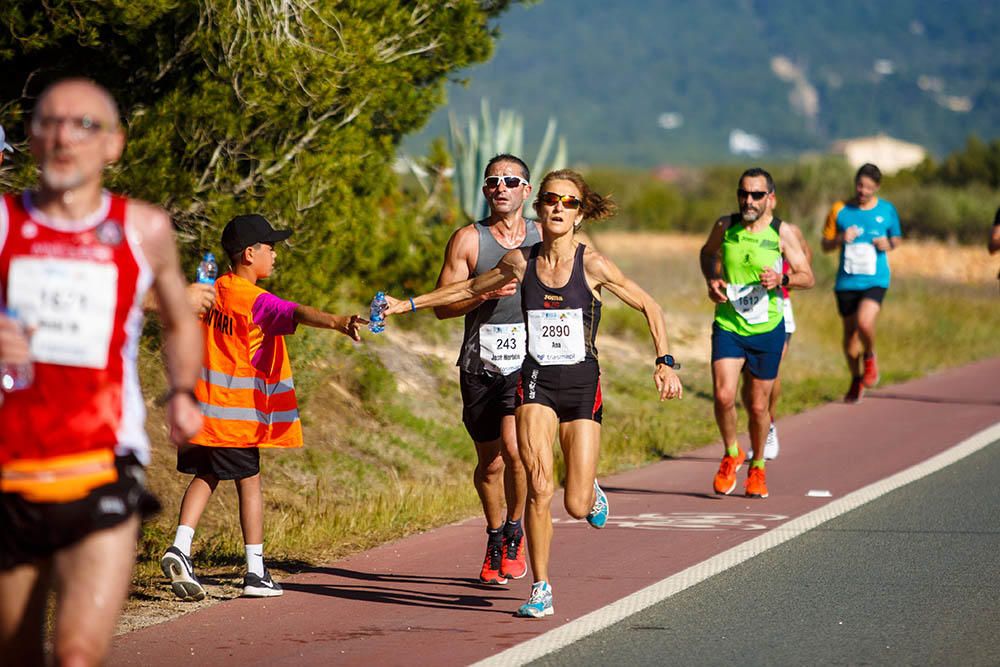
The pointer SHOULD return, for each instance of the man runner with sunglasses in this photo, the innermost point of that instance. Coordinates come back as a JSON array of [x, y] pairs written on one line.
[[490, 358], [742, 265]]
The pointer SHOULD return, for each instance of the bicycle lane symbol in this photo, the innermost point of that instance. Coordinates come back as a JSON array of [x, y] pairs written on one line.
[[699, 521]]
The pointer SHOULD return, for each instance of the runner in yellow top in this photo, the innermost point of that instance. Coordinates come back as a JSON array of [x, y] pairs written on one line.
[[741, 262]]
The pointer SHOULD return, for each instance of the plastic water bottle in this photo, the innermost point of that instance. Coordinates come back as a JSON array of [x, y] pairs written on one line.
[[208, 270], [376, 317], [15, 377]]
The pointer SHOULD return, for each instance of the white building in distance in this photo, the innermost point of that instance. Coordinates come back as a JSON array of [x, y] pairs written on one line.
[[890, 155]]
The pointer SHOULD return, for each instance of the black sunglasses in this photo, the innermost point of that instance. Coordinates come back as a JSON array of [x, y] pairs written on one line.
[[510, 181], [568, 201], [756, 195]]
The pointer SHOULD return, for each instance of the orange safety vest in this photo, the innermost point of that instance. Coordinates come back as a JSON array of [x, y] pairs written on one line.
[[245, 403]]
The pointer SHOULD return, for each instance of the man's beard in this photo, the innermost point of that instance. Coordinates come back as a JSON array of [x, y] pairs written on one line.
[[61, 181], [750, 214]]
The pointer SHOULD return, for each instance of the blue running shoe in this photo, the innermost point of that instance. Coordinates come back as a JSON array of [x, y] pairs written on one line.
[[599, 512], [540, 602]]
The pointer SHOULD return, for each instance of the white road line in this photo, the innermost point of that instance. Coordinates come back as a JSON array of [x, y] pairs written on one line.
[[601, 618]]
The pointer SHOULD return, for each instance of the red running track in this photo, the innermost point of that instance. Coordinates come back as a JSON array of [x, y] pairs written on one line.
[[380, 608]]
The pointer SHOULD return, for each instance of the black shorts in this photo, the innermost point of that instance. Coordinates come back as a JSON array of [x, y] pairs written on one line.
[[486, 399], [849, 300], [31, 532], [573, 392], [222, 462]]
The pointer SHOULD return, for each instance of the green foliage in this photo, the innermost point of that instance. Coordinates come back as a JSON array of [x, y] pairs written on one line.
[[953, 200], [290, 108], [698, 197]]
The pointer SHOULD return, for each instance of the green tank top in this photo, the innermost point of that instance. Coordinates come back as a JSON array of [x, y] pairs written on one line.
[[751, 309]]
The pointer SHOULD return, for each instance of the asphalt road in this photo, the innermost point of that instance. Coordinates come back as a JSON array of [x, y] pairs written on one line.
[[912, 578]]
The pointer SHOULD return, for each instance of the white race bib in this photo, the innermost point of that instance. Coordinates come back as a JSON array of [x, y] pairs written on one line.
[[860, 259], [556, 336], [501, 347], [70, 303], [750, 301]]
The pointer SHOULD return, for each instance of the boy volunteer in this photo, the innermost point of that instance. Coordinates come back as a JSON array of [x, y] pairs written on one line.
[[247, 397]]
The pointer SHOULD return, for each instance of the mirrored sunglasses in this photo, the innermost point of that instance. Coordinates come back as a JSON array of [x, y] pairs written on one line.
[[568, 201], [510, 182]]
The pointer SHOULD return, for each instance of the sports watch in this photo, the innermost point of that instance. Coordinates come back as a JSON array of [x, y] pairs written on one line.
[[667, 360]]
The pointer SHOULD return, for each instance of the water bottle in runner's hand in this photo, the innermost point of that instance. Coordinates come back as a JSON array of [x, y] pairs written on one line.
[[208, 270], [14, 377], [376, 318]]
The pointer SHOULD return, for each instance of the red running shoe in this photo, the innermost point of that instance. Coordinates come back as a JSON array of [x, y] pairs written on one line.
[[490, 574], [725, 479], [856, 391], [513, 564], [871, 376]]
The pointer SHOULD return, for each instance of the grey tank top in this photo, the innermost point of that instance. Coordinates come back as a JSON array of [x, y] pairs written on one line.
[[495, 311]]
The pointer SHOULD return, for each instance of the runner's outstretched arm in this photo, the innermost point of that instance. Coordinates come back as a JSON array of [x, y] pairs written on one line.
[[510, 267], [605, 273]]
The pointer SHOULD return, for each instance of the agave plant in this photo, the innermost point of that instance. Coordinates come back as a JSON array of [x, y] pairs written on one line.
[[472, 150]]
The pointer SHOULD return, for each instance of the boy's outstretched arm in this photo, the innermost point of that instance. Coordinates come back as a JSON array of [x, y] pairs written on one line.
[[349, 325]]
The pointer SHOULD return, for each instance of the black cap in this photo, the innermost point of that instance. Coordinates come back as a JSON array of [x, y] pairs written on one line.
[[244, 231]]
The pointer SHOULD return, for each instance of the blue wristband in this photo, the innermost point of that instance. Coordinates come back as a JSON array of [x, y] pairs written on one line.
[[413, 306]]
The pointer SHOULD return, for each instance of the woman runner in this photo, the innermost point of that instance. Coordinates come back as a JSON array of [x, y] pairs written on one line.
[[559, 388]]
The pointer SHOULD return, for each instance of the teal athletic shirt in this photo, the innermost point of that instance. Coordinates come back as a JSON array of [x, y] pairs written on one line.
[[862, 265]]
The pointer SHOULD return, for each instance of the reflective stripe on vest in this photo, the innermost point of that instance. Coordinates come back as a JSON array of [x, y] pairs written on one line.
[[220, 379]]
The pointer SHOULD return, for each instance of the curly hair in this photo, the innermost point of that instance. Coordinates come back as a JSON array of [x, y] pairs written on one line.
[[595, 206]]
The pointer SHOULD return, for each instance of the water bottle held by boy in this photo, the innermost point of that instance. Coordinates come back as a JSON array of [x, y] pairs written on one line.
[[376, 318], [14, 377], [208, 269]]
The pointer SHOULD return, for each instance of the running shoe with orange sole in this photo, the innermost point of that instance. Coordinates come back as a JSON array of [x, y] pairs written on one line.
[[490, 574], [513, 564], [725, 479], [871, 376], [756, 485]]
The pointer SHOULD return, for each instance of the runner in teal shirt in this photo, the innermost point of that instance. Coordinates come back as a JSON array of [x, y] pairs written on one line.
[[864, 230]]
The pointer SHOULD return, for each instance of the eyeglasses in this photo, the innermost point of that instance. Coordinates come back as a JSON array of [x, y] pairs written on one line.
[[80, 127], [756, 195], [568, 201], [510, 181]]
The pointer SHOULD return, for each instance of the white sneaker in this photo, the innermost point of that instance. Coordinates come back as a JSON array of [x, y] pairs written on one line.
[[177, 567], [771, 446], [260, 587]]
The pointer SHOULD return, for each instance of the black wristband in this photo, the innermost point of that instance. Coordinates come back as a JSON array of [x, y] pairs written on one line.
[[784, 280], [667, 360]]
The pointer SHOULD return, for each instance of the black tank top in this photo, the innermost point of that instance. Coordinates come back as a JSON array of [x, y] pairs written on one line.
[[575, 294]]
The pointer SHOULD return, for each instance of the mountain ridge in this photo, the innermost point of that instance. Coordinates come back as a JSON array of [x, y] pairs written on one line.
[[797, 76]]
